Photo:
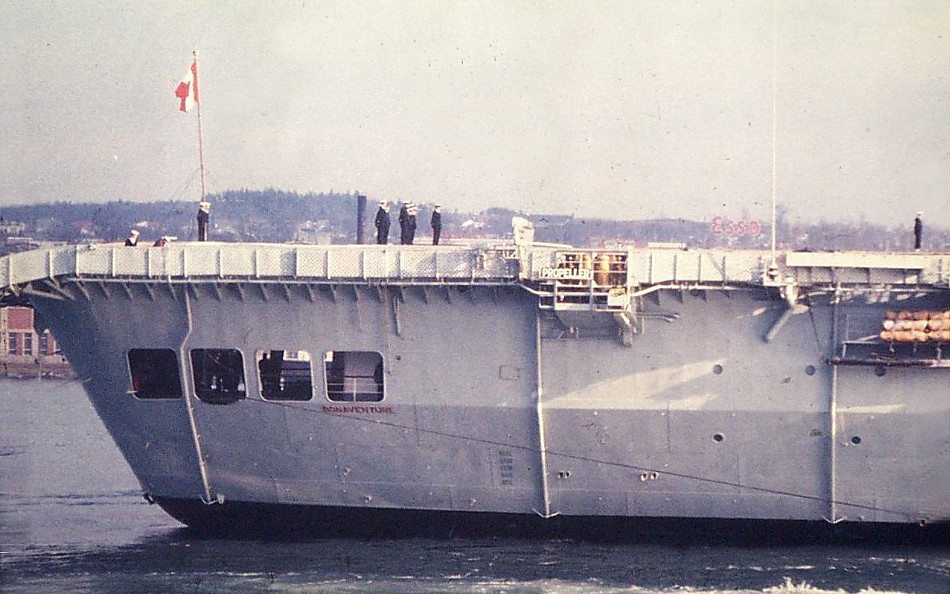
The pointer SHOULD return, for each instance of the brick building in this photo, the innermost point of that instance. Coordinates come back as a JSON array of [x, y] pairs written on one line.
[[24, 352]]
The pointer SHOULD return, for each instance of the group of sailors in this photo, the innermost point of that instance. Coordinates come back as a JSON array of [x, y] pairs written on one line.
[[203, 217], [407, 223], [133, 239]]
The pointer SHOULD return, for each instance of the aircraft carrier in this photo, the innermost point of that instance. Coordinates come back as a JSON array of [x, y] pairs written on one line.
[[520, 380]]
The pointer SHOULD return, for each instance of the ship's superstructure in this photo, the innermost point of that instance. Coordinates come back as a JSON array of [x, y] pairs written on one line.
[[513, 379]]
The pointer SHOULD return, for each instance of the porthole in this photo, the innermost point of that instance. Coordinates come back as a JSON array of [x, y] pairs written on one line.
[[719, 438], [810, 370], [856, 440], [717, 369], [880, 371]]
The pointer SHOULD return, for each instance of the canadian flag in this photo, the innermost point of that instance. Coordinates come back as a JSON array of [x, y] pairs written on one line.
[[187, 90]]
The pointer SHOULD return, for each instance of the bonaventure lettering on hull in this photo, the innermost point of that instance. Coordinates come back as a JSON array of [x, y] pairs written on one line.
[[379, 410]]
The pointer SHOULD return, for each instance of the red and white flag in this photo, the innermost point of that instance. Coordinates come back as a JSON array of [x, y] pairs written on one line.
[[187, 91]]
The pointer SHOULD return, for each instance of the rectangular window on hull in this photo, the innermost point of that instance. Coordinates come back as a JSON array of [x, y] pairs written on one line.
[[11, 344], [28, 344], [354, 376], [154, 373], [218, 375], [285, 375]]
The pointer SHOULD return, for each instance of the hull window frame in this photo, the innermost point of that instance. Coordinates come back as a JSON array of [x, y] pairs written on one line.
[[217, 375], [281, 377], [354, 376], [154, 374]]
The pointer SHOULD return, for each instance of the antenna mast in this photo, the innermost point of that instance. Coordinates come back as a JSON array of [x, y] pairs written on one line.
[[774, 120]]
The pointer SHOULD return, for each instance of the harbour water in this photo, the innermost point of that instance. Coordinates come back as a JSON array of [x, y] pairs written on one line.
[[72, 518]]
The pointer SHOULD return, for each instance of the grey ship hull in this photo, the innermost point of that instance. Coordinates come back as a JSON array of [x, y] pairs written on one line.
[[690, 394]]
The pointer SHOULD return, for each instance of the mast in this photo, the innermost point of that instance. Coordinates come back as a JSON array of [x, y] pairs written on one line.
[[774, 122], [201, 151]]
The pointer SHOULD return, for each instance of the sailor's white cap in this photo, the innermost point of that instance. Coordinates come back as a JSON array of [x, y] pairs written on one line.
[[134, 232], [919, 213], [382, 203]]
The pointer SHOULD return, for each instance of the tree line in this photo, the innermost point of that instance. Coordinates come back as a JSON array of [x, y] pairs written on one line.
[[274, 215]]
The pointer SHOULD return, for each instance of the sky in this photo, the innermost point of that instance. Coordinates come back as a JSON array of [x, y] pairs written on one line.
[[619, 109]]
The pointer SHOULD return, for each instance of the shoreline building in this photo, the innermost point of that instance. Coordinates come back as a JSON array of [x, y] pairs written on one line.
[[27, 352]]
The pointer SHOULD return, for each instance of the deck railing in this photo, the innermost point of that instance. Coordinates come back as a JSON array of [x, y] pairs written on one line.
[[261, 261], [498, 263], [654, 266]]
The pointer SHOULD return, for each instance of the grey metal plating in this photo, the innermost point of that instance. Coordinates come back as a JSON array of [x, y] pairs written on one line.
[[532, 380]]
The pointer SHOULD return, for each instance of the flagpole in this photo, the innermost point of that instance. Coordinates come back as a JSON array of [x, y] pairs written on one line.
[[201, 150]]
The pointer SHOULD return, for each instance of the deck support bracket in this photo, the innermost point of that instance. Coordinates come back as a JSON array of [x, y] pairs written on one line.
[[394, 301], [625, 325], [790, 294]]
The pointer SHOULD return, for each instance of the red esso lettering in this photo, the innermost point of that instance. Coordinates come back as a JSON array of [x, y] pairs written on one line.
[[720, 225]]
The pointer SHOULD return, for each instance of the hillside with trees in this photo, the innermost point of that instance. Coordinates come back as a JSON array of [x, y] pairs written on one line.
[[279, 216]]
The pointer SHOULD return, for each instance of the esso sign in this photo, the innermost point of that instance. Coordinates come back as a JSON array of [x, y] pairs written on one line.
[[724, 226]]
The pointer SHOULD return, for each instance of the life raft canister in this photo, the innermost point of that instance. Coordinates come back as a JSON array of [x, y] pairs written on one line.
[[602, 269]]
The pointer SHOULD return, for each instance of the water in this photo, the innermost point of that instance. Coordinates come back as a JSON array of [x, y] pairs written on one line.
[[72, 518]]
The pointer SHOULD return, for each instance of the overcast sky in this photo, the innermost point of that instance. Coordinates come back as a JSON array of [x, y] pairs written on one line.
[[630, 109]]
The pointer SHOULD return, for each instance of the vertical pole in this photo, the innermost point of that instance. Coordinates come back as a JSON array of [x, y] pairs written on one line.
[[189, 405], [360, 218], [201, 152], [833, 424], [545, 512], [774, 119], [833, 453]]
